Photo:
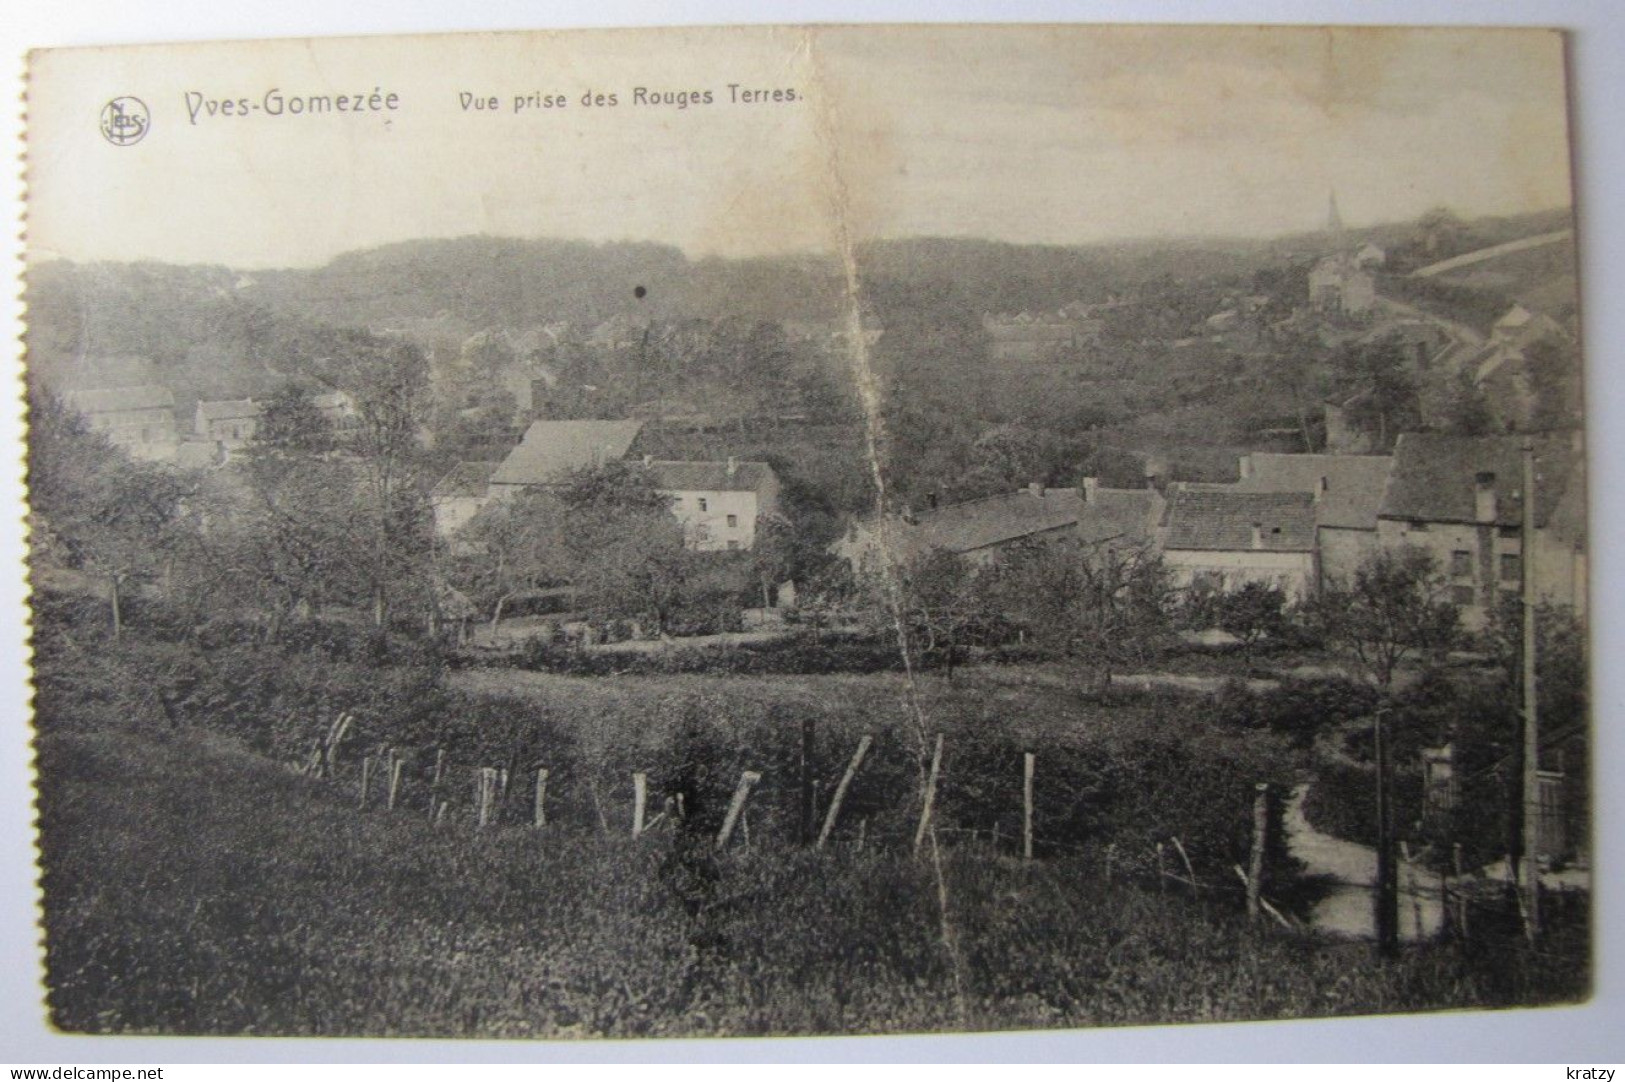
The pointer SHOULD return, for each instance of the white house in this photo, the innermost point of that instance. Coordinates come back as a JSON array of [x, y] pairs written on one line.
[[718, 503], [141, 420], [1222, 538]]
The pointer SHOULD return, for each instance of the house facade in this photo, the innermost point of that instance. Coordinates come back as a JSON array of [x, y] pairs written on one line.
[[140, 420], [1348, 492], [231, 422], [1340, 286], [460, 495], [719, 503], [1220, 538], [1461, 500]]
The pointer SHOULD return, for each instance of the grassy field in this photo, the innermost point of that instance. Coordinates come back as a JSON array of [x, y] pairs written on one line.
[[193, 886]]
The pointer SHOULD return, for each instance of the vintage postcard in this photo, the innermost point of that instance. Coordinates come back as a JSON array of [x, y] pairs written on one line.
[[792, 531]]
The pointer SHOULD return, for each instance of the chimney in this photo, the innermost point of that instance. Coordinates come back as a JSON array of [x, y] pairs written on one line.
[[1244, 466], [1036, 490], [1323, 486], [648, 460], [1091, 488], [733, 465], [1258, 535], [1484, 498]]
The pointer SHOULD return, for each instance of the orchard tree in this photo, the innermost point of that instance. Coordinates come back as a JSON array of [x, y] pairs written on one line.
[[1254, 612], [1396, 608]]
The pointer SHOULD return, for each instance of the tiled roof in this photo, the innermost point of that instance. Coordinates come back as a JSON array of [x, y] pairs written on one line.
[[1354, 484], [118, 399], [1214, 519], [1435, 477], [229, 410], [551, 449], [709, 476], [993, 520], [1113, 514], [465, 479]]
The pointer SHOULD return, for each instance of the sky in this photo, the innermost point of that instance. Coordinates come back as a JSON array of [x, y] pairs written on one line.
[[1026, 134]]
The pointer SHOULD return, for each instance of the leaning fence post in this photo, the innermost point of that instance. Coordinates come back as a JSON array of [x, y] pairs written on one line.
[[1255, 858], [640, 799], [1196, 888], [930, 795], [746, 780], [539, 816], [1027, 764], [840, 790]]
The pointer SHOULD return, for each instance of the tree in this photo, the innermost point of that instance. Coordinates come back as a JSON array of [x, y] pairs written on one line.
[[625, 549], [516, 545], [1393, 610], [939, 605], [1251, 613], [772, 555], [110, 516], [290, 421]]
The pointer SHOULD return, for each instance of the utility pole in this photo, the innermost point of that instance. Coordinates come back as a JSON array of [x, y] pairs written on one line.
[[1386, 900], [1531, 728]]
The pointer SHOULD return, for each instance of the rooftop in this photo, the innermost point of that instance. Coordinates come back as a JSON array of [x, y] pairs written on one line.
[[1435, 477], [553, 449], [1354, 484], [118, 399], [709, 476], [1215, 519], [229, 410]]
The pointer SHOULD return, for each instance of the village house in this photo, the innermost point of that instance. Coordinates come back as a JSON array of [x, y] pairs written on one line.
[[1347, 490], [460, 495], [1461, 499], [1035, 337], [1500, 368], [718, 503], [230, 423], [1340, 286], [140, 420], [1100, 520], [551, 450], [1220, 538]]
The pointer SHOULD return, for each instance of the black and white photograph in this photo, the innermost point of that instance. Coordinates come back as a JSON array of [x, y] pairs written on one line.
[[806, 531]]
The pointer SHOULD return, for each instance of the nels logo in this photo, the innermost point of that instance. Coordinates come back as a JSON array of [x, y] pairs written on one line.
[[125, 121]]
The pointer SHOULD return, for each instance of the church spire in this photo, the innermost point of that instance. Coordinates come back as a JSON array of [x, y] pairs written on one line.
[[1334, 220]]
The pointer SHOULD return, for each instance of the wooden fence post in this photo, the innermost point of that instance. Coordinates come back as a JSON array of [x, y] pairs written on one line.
[[1255, 858], [539, 815], [397, 762], [487, 793], [335, 737], [436, 793], [640, 798], [840, 790], [1196, 888], [930, 795], [807, 782], [746, 781], [1027, 765], [1162, 872], [366, 780]]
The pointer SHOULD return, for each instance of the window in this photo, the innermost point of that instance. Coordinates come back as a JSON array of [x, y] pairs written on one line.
[[1461, 595], [702, 502], [1511, 568], [733, 520], [1418, 526], [1511, 533], [1461, 564]]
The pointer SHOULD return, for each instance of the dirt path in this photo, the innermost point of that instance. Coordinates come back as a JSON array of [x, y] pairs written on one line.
[[1351, 869]]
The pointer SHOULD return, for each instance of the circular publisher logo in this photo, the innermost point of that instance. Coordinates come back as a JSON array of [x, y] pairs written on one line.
[[125, 121]]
